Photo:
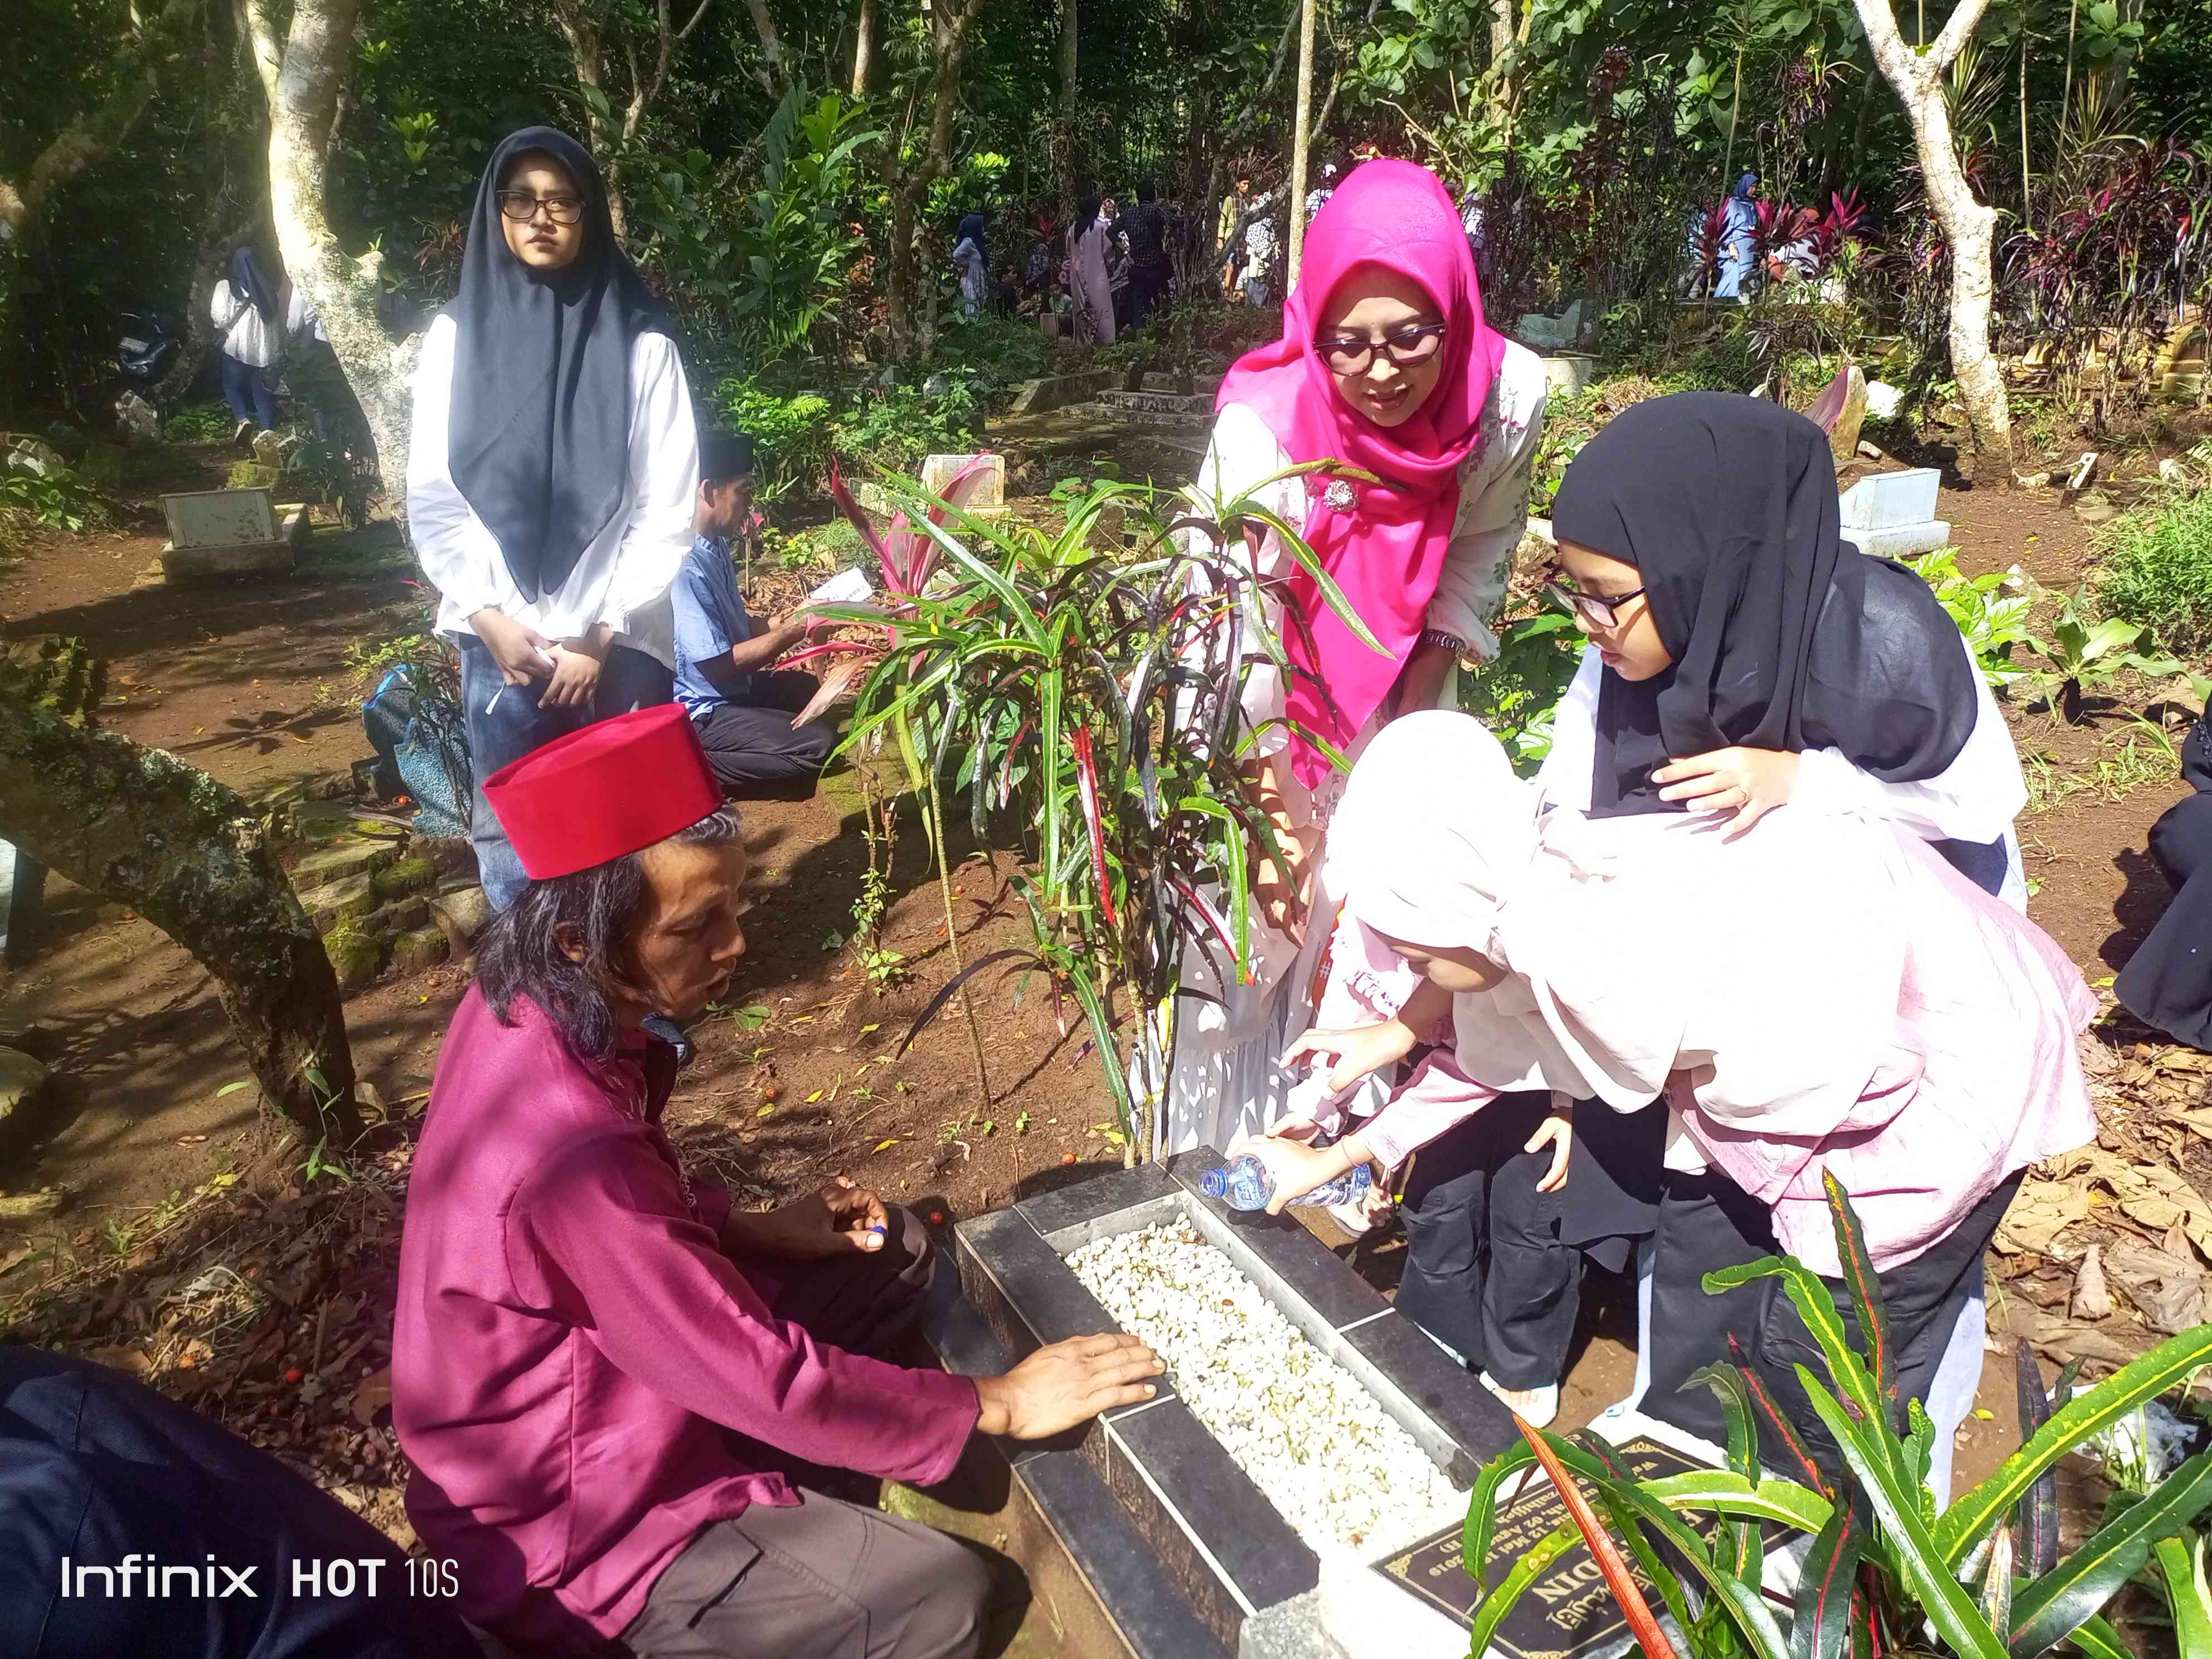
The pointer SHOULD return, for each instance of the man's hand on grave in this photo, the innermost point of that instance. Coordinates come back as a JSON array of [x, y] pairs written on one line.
[[1069, 1382]]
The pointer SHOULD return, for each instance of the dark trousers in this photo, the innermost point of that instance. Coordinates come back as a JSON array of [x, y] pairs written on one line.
[[250, 392], [1148, 291], [754, 744], [1487, 1272], [505, 722], [823, 1578], [1707, 1221], [2168, 983]]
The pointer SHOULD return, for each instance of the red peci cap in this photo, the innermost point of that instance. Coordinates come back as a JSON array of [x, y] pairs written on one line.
[[613, 788]]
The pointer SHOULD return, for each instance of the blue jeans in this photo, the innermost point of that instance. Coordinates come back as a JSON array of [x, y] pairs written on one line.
[[505, 722], [250, 392]]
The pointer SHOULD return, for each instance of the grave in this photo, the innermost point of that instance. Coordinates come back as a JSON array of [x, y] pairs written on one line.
[[1567, 373], [1173, 1509], [229, 532], [1177, 406], [1892, 515]]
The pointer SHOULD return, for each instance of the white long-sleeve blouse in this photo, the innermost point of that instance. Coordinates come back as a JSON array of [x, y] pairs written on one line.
[[246, 334], [1493, 511], [622, 579]]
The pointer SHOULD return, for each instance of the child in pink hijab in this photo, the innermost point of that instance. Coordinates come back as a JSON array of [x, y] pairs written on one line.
[[1387, 364]]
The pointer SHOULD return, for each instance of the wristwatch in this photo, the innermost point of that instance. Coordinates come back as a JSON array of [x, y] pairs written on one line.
[[1450, 643]]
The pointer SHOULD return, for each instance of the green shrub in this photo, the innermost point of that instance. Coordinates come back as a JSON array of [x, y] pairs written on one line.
[[1991, 620], [1517, 696], [2159, 572], [198, 424], [60, 500], [895, 430], [1000, 352], [790, 434]]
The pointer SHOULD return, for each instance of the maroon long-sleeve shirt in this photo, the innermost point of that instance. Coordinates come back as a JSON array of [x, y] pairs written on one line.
[[569, 1336]]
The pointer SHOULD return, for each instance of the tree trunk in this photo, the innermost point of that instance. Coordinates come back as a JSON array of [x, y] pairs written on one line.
[[771, 48], [141, 828], [863, 48], [907, 199], [587, 54], [1968, 225], [1230, 141], [92, 135], [1063, 152], [342, 290], [1298, 139]]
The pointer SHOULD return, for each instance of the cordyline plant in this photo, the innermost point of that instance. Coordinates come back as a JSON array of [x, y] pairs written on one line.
[[1083, 685], [1886, 1570]]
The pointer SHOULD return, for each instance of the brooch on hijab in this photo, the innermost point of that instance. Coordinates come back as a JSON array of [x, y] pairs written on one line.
[[1340, 497]]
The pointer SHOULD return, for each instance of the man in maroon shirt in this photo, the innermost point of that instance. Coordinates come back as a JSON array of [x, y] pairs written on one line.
[[582, 1322]]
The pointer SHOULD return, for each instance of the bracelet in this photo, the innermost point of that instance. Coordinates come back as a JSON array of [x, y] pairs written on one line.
[[1450, 643]]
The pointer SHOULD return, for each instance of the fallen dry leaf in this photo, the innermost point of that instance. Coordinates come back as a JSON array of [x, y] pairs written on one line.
[[372, 1396], [2092, 1299]]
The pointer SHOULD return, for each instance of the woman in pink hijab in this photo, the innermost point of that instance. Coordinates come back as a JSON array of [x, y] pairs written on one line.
[[1385, 363]]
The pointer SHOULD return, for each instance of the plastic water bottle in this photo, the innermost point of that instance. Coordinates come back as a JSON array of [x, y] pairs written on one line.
[[1245, 1183]]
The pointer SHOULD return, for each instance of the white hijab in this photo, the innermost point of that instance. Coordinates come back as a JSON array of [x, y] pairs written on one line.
[[1636, 947]]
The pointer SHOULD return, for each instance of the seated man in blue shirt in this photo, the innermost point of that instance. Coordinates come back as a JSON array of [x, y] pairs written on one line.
[[741, 705]]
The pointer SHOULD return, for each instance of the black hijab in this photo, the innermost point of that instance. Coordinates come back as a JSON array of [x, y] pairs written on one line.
[[1782, 637], [539, 433], [247, 282], [971, 229]]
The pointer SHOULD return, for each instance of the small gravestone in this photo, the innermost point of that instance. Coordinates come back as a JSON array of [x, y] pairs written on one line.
[[986, 489], [1892, 515], [139, 420], [1566, 374], [228, 532]]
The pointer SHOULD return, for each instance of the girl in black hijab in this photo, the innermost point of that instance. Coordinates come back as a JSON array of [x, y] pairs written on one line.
[[554, 470], [1744, 656]]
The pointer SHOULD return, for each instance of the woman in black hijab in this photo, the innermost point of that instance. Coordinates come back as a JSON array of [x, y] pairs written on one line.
[[1744, 656], [553, 470], [246, 316]]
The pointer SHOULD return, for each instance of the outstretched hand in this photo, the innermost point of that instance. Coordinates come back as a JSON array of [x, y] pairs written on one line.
[[1746, 783], [1358, 1050]]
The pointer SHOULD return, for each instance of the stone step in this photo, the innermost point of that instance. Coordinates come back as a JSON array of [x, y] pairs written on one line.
[[351, 856], [1191, 407]]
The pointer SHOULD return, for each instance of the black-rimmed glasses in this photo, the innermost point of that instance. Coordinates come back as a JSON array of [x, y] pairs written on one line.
[[1598, 612], [522, 206], [1408, 348]]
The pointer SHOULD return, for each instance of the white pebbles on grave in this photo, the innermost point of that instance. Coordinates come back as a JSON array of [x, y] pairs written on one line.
[[1316, 1443]]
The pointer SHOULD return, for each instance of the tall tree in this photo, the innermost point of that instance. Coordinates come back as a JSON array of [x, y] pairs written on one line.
[[1063, 139], [613, 132], [89, 135], [956, 24], [140, 827], [863, 48], [306, 72], [1915, 74]]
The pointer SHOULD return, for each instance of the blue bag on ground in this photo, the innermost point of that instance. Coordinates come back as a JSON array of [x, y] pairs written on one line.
[[414, 723]]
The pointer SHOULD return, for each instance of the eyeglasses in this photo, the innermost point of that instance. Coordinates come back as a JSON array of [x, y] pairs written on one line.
[[1408, 348], [520, 204], [1598, 612]]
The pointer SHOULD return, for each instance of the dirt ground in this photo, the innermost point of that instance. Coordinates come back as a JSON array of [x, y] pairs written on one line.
[[258, 681]]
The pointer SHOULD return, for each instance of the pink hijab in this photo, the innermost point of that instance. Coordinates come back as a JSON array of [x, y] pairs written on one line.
[[1385, 548]]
